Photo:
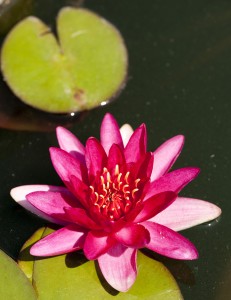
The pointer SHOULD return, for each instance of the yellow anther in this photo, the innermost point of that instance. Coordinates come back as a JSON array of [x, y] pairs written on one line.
[[102, 179], [134, 191], [126, 177], [119, 177], [117, 170], [137, 181]]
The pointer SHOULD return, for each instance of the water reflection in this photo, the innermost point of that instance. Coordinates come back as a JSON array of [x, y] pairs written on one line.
[[16, 115], [12, 11]]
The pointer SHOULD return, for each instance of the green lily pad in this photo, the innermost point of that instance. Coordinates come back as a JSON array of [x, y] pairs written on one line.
[[13, 283], [84, 69], [25, 260], [72, 276]]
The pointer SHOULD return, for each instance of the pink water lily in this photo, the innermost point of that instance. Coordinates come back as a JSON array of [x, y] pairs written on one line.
[[117, 198]]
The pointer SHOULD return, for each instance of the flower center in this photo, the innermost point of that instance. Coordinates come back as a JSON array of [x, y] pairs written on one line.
[[115, 194]]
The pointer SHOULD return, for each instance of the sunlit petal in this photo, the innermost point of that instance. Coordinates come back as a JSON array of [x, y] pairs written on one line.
[[126, 132], [166, 155], [118, 266], [19, 195], [184, 213], [110, 133], [70, 143]]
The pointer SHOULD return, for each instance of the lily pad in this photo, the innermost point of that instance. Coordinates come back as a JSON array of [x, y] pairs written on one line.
[[13, 283], [25, 260], [83, 69], [71, 276]]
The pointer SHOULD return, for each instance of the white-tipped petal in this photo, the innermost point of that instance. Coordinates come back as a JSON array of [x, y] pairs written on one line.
[[19, 195]]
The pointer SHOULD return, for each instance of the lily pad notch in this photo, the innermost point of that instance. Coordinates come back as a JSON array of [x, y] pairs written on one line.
[[81, 70]]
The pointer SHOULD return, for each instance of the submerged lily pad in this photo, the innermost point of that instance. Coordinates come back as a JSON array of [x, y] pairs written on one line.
[[13, 283], [82, 70], [72, 276]]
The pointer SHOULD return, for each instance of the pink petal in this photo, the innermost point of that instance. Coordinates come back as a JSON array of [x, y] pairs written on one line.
[[184, 213], [80, 217], [19, 195], [110, 133], [64, 240], [169, 243], [136, 146], [174, 181], [133, 235], [96, 244], [166, 155], [96, 157], [154, 205], [52, 203], [126, 132], [118, 267], [66, 165], [70, 143]]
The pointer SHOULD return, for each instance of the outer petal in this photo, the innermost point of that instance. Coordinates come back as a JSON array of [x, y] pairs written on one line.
[[19, 195], [110, 133], [166, 155], [96, 244], [174, 181], [118, 266], [52, 203], [154, 205], [184, 213], [70, 143], [66, 165], [64, 240], [133, 235], [169, 243], [126, 132]]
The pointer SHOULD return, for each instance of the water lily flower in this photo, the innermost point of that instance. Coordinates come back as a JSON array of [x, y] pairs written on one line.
[[117, 198]]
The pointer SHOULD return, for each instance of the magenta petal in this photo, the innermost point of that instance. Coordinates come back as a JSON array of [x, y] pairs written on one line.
[[80, 217], [146, 167], [166, 155], [66, 165], [118, 267], [52, 203], [136, 146], [69, 142], [169, 243], [174, 181], [126, 132], [133, 235], [110, 133], [80, 190], [95, 156], [19, 195], [154, 205], [184, 213], [115, 157], [96, 244], [64, 240]]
